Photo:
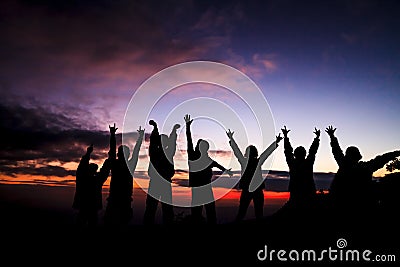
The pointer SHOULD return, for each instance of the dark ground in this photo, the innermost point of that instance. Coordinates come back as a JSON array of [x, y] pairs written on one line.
[[50, 237]]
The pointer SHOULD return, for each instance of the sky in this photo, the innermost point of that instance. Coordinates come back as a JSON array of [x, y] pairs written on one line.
[[68, 69]]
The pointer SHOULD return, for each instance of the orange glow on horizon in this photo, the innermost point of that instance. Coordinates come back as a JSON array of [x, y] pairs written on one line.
[[235, 194], [38, 180]]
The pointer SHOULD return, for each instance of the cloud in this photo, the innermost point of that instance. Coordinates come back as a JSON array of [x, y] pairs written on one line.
[[266, 60], [29, 130], [349, 38], [94, 56], [33, 137], [31, 169], [259, 65], [90, 55]]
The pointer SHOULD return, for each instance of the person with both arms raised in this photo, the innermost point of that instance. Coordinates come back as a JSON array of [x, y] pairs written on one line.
[[251, 181], [301, 171], [119, 202]]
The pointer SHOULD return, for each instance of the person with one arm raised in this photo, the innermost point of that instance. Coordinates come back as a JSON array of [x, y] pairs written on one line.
[[200, 175]]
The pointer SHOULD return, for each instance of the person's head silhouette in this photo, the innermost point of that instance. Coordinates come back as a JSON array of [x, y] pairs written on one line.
[[300, 153], [123, 152], [202, 146], [353, 154], [93, 169], [251, 152]]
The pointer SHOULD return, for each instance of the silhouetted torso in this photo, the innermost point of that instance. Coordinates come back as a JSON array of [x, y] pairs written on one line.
[[301, 184], [251, 168], [161, 159], [200, 168], [121, 184]]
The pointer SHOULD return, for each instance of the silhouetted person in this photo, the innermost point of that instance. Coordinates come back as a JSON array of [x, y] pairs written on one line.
[[351, 188], [251, 181], [301, 171], [161, 170], [200, 175], [88, 191], [119, 206]]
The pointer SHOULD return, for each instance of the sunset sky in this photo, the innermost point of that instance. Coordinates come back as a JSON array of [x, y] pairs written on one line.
[[69, 69]]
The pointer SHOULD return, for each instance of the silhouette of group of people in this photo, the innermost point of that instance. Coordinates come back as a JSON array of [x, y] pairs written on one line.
[[350, 191], [89, 183]]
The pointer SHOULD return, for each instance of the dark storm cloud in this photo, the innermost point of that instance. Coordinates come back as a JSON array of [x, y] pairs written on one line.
[[92, 55], [32, 169], [33, 136], [58, 34], [51, 37], [33, 132]]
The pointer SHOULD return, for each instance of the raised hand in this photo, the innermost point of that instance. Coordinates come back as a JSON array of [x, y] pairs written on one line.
[[113, 129], [140, 131], [89, 149], [285, 131], [330, 131], [317, 132], [278, 138], [153, 123], [229, 133], [187, 119], [177, 126]]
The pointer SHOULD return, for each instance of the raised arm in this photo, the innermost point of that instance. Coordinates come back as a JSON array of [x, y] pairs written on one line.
[[380, 161], [236, 151], [188, 122], [84, 162], [336, 150], [222, 168], [113, 142], [267, 152], [172, 141], [287, 147], [104, 171], [314, 146], [155, 140], [135, 154]]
